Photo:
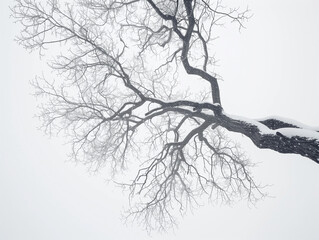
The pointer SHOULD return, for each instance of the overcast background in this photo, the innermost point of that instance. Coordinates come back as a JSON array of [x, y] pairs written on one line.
[[270, 68]]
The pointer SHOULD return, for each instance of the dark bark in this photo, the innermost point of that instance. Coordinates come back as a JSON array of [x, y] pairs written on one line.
[[273, 139]]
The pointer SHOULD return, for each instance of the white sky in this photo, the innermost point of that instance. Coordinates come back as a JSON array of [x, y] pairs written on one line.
[[270, 68]]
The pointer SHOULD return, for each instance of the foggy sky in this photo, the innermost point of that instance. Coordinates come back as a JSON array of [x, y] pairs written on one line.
[[269, 68]]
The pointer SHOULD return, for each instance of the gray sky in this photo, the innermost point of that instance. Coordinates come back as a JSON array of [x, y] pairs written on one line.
[[270, 68]]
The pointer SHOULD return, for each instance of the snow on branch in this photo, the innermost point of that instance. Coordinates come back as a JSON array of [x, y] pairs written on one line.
[[279, 134]]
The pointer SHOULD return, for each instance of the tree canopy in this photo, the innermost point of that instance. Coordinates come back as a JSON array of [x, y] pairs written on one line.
[[119, 96]]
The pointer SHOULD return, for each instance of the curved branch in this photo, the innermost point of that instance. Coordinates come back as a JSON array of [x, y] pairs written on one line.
[[186, 46]]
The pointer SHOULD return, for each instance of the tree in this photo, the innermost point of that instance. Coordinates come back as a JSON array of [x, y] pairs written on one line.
[[120, 98]]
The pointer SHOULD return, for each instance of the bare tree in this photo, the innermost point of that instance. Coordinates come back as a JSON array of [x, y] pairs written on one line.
[[120, 98]]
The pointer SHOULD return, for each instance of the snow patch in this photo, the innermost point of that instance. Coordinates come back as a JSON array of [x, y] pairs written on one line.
[[262, 128], [304, 130]]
